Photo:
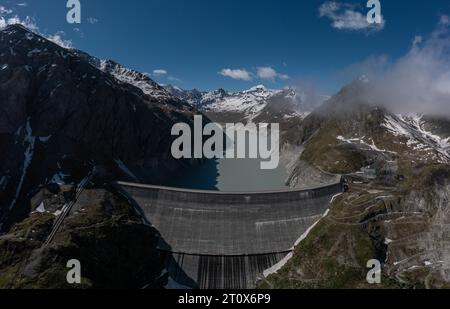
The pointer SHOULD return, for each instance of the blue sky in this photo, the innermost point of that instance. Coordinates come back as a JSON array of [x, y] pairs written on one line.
[[276, 43]]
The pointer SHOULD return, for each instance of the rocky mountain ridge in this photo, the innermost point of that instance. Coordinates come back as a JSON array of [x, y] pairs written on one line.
[[396, 209], [255, 104], [60, 115]]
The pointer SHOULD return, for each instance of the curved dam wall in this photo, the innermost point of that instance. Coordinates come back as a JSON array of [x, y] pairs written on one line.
[[226, 240]]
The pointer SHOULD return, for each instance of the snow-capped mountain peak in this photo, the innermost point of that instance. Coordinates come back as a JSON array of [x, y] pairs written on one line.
[[413, 127], [249, 104], [258, 88], [129, 76]]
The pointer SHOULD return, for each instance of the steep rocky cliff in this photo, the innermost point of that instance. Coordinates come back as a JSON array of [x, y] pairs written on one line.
[[60, 115]]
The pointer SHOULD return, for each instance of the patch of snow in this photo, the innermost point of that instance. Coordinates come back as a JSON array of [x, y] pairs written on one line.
[[44, 139], [58, 178], [34, 51], [442, 145], [274, 269], [396, 127], [131, 77], [249, 102], [310, 229], [375, 148], [411, 126], [361, 141], [54, 90], [3, 183], [297, 114], [41, 208], [103, 65], [334, 197], [28, 141]]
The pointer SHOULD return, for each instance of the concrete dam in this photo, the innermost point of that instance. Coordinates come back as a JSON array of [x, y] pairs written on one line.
[[217, 240]]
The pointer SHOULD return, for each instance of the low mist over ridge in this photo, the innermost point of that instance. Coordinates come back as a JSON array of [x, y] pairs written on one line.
[[418, 82]]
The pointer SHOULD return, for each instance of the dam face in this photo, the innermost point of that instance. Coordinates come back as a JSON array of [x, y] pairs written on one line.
[[226, 240]]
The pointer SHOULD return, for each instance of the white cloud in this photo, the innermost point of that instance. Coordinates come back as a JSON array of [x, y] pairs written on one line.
[[58, 38], [27, 22], [238, 74], [159, 72], [444, 20], [79, 32], [4, 10], [266, 73], [270, 73], [7, 18], [174, 79], [418, 82], [417, 40], [163, 74], [23, 4], [92, 20], [345, 16]]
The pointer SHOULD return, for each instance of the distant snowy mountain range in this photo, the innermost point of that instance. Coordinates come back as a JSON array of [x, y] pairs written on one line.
[[250, 104], [220, 105], [261, 104]]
